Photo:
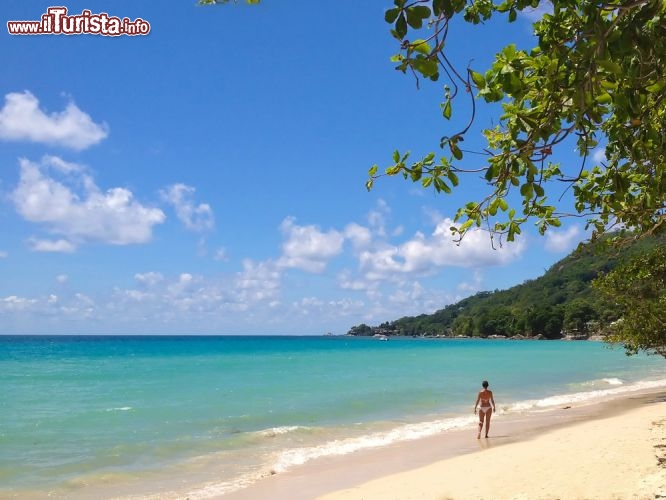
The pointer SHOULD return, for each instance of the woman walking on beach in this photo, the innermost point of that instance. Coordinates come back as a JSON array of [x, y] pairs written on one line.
[[485, 397]]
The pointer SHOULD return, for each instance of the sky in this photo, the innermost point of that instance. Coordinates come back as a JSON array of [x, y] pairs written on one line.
[[209, 177]]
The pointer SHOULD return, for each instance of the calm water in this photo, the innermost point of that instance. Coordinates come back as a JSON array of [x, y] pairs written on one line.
[[205, 415]]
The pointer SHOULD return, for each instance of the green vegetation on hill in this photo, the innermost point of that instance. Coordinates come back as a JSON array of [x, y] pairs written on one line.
[[562, 301]]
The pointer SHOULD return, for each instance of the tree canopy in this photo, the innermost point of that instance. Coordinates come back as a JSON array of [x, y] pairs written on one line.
[[596, 75], [638, 290]]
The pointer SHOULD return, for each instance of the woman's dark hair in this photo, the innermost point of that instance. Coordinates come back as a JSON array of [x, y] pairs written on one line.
[[484, 384]]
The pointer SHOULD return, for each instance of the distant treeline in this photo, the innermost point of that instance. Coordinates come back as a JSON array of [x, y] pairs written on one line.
[[561, 302]]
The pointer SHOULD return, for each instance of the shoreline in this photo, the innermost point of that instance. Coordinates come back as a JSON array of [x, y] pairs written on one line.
[[419, 468]]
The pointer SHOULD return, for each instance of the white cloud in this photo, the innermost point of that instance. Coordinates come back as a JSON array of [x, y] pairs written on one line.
[[194, 217], [308, 248], [63, 166], [75, 208], [361, 237], [377, 218], [14, 303], [79, 307], [3, 254], [21, 119], [424, 255], [221, 254], [187, 299], [347, 282], [258, 281], [62, 278], [61, 246], [135, 295], [50, 308], [562, 240], [149, 279]]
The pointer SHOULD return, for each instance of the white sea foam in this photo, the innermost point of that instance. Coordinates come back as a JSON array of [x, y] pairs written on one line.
[[214, 490], [122, 408], [407, 432], [278, 431], [586, 397], [613, 381], [600, 383]]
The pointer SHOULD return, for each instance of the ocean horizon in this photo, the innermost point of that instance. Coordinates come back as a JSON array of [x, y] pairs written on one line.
[[203, 415]]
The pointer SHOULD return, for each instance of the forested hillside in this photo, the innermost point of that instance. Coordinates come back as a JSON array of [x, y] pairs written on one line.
[[562, 301]]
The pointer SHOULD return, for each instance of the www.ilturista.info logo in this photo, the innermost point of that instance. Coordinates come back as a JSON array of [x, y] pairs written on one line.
[[56, 22]]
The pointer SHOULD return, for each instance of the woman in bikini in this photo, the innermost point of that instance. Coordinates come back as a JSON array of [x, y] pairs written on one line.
[[485, 397]]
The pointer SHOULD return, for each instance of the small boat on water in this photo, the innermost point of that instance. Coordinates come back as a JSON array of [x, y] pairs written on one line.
[[381, 337]]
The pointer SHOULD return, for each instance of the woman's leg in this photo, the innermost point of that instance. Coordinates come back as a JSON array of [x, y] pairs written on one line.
[[489, 413], [478, 436]]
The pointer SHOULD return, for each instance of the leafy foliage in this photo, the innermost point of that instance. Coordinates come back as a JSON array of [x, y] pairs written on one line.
[[564, 299], [596, 75], [638, 290]]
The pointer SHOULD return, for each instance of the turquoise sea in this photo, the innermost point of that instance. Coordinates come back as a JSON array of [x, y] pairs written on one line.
[[205, 415]]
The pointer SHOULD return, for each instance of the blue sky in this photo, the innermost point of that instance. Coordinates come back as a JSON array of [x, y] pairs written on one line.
[[209, 177]]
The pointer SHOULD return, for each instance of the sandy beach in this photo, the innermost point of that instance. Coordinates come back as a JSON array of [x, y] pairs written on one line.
[[605, 451]]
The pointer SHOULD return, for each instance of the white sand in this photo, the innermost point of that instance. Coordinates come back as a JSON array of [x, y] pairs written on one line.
[[606, 458]]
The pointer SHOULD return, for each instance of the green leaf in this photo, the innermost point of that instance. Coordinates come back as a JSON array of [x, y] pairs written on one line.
[[425, 66], [422, 11], [413, 19], [657, 87], [466, 225], [373, 170], [420, 46], [438, 7], [391, 15], [527, 190], [401, 25], [446, 111], [396, 156], [611, 66], [478, 79], [455, 151], [440, 185], [604, 98], [608, 85]]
